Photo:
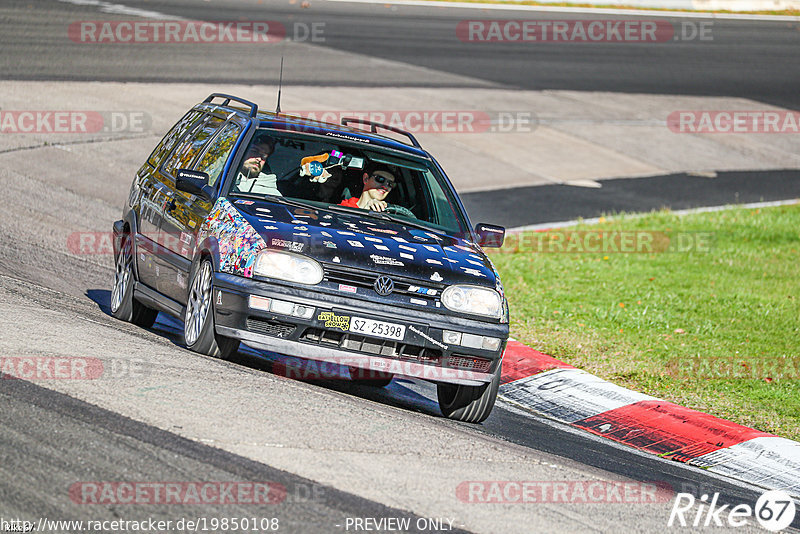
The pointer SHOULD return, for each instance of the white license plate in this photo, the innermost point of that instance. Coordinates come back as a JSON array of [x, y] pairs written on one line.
[[368, 327]]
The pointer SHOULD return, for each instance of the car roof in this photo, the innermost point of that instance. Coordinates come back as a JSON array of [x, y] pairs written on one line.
[[291, 123]]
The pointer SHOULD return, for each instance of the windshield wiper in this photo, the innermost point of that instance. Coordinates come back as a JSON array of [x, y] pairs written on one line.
[[276, 198], [379, 215]]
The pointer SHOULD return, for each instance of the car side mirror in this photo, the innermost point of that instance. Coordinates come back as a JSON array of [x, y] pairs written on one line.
[[490, 235], [194, 183]]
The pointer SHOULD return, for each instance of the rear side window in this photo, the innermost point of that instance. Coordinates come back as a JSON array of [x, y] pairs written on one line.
[[173, 136], [186, 152], [213, 160]]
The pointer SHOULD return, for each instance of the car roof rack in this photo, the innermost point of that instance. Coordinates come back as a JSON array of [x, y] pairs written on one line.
[[253, 107], [375, 125]]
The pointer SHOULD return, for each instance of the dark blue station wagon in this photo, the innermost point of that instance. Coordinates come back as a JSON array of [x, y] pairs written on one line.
[[336, 243]]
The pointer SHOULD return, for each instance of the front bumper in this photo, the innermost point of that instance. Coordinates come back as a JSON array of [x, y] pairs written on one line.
[[421, 353]]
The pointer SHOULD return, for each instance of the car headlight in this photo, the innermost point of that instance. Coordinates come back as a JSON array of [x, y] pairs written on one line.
[[472, 299], [287, 266]]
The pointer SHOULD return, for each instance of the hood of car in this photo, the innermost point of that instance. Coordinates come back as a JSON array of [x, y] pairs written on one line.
[[367, 243]]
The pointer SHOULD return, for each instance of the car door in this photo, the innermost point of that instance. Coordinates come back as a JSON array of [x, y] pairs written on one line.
[[183, 213], [150, 193]]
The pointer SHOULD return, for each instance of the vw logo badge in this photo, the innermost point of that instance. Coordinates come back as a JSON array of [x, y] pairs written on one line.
[[383, 285]]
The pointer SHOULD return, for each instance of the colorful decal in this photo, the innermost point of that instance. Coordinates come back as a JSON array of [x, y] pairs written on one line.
[[356, 244], [384, 231], [423, 335], [238, 242], [335, 321], [288, 245], [422, 290], [385, 260], [347, 289]]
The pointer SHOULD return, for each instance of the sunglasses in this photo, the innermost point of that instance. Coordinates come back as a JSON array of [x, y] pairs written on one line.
[[383, 180], [256, 153]]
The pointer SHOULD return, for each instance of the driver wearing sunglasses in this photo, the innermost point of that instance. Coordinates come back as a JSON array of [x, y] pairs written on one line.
[[377, 185]]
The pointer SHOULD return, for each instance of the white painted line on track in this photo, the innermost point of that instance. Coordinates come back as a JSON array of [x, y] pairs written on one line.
[[120, 9], [689, 211], [583, 10]]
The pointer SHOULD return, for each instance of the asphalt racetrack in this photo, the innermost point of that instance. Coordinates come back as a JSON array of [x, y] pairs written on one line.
[[345, 456]]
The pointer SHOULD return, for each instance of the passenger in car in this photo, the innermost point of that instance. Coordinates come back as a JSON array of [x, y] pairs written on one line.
[[255, 176], [377, 186]]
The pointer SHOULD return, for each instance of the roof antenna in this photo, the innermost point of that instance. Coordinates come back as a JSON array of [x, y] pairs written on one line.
[[280, 82]]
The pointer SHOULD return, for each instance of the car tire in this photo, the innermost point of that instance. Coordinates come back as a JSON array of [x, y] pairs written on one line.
[[365, 377], [198, 321], [470, 404], [123, 306]]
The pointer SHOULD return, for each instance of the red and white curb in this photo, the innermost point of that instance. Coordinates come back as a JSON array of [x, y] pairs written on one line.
[[541, 384]]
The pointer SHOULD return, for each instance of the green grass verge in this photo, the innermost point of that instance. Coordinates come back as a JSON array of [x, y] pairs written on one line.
[[715, 328]]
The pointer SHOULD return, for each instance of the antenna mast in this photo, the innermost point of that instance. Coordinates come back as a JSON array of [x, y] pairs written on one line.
[[280, 83]]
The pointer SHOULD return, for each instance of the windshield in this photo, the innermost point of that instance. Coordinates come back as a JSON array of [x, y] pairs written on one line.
[[326, 172]]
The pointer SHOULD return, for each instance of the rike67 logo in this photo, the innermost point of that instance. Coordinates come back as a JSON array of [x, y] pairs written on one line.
[[774, 510]]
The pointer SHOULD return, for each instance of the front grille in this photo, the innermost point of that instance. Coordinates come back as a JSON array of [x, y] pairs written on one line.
[[460, 361], [269, 328], [365, 280], [370, 345]]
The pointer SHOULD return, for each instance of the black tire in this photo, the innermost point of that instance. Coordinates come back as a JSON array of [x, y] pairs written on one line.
[[198, 322], [470, 404], [365, 377], [123, 306]]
